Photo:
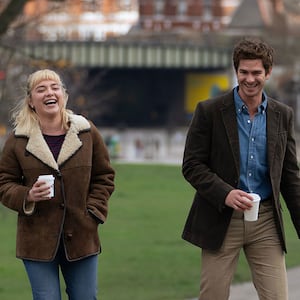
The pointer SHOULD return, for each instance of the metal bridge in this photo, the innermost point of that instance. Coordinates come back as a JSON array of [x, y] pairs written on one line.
[[130, 54]]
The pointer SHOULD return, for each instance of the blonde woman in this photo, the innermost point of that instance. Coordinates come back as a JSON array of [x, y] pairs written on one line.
[[58, 232]]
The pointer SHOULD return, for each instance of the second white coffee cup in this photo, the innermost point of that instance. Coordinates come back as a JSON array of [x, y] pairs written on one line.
[[49, 179], [252, 214]]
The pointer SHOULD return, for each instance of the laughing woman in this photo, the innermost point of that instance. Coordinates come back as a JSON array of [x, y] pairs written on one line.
[[57, 232]]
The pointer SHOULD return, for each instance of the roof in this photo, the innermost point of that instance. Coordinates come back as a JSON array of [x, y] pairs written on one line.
[[248, 15]]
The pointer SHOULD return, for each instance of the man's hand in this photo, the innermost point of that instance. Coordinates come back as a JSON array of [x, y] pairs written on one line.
[[239, 200]]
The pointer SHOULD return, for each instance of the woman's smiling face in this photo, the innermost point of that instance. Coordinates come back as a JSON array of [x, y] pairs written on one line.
[[46, 98]]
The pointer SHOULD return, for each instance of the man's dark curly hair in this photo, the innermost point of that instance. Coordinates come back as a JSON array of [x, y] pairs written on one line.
[[253, 48]]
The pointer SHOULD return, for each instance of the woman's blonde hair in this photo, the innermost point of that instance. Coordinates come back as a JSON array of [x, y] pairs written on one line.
[[23, 115]]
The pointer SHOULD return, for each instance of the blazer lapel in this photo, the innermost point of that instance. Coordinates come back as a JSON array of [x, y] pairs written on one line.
[[272, 130], [230, 124]]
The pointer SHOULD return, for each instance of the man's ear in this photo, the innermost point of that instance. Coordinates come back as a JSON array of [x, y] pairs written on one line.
[[268, 75]]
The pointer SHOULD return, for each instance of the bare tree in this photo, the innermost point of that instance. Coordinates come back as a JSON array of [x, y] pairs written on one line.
[[14, 63], [13, 9]]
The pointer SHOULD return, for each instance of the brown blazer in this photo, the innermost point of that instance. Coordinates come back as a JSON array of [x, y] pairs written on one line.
[[211, 166], [84, 181]]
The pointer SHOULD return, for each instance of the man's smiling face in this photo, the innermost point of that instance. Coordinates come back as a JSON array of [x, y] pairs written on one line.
[[251, 77]]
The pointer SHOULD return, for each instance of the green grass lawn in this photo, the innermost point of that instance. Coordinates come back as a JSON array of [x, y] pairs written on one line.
[[144, 257]]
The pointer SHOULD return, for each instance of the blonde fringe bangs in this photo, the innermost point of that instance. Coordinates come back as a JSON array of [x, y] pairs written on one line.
[[40, 75]]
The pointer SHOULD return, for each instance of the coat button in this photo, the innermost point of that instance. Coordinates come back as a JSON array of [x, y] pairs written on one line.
[[69, 236], [62, 205]]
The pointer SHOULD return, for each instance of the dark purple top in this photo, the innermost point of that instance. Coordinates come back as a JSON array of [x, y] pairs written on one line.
[[54, 142]]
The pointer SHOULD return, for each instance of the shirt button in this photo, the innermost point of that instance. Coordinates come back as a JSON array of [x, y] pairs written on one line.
[[252, 139], [248, 121], [251, 156], [250, 174]]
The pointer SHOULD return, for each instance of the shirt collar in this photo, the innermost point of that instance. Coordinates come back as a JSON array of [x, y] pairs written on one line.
[[240, 106]]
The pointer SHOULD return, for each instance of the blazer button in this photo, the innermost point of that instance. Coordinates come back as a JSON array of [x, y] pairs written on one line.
[[62, 205]]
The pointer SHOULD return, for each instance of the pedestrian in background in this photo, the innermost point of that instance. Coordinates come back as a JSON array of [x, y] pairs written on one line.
[[238, 143], [60, 231]]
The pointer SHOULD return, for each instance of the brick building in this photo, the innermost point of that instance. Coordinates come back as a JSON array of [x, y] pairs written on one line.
[[78, 20], [99, 20], [187, 15]]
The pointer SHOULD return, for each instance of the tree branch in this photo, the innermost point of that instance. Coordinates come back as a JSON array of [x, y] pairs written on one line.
[[9, 14]]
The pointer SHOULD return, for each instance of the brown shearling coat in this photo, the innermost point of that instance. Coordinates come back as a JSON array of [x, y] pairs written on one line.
[[84, 181]]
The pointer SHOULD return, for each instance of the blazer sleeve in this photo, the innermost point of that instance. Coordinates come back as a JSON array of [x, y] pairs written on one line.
[[290, 179]]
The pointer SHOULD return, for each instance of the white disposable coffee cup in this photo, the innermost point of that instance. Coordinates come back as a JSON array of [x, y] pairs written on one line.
[[49, 179], [252, 214]]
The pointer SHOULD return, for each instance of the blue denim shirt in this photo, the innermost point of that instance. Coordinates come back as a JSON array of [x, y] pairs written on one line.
[[254, 169]]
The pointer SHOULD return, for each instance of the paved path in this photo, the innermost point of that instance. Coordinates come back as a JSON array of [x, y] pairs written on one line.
[[246, 291]]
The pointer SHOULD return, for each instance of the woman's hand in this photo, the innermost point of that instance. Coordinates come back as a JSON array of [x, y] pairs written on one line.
[[40, 191]]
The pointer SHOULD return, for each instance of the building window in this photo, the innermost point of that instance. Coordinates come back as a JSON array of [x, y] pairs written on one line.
[[182, 8], [159, 7], [91, 5], [207, 12], [127, 4]]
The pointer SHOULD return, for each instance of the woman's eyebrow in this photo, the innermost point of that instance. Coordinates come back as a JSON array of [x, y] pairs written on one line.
[[43, 85]]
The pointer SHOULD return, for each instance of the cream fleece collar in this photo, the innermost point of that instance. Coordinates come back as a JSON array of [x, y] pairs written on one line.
[[39, 148]]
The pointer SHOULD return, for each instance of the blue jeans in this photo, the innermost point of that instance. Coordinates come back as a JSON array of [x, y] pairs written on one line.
[[80, 277]]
